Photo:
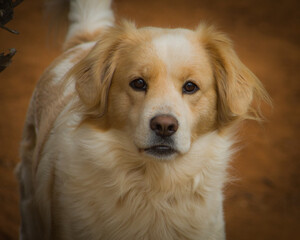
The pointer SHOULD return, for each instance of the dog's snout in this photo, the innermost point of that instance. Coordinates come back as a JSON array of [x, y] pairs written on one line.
[[164, 125]]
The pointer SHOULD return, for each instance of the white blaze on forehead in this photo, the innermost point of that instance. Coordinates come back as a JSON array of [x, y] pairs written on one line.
[[173, 49]]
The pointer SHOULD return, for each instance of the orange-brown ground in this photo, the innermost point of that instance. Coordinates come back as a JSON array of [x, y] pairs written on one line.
[[264, 202]]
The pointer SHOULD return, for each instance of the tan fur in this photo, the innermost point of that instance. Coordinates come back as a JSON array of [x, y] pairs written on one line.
[[85, 173], [237, 85]]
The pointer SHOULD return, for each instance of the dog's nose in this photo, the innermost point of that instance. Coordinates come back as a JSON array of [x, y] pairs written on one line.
[[164, 125]]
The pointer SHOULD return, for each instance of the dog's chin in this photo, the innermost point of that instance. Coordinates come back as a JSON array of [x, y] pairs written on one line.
[[161, 152]]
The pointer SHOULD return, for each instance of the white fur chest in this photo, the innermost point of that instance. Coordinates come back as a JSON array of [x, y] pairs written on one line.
[[104, 191]]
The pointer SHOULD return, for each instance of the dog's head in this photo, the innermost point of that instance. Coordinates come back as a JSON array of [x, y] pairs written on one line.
[[164, 88]]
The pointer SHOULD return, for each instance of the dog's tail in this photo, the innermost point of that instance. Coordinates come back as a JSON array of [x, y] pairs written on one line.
[[86, 18]]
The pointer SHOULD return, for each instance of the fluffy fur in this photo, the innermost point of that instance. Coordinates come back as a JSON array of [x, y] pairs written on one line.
[[86, 172]]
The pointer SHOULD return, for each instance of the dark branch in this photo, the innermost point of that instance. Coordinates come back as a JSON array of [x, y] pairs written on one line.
[[7, 13]]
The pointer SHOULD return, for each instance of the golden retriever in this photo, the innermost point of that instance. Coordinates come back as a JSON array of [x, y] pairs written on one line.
[[129, 132]]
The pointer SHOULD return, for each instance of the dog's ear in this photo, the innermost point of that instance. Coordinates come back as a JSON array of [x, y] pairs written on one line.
[[95, 72], [237, 86]]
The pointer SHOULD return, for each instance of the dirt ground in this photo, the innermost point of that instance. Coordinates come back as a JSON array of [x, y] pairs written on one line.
[[263, 203]]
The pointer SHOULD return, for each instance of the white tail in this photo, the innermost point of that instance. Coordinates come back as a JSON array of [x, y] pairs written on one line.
[[84, 16], [88, 16]]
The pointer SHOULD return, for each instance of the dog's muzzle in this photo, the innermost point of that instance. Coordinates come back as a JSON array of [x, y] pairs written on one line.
[[164, 126]]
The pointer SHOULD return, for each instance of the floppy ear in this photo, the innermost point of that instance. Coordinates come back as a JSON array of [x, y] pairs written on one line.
[[237, 86], [95, 72]]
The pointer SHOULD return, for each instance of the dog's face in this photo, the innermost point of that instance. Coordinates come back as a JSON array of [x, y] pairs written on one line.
[[163, 92], [164, 88]]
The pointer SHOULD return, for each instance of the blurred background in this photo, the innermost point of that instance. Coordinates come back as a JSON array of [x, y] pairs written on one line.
[[263, 203]]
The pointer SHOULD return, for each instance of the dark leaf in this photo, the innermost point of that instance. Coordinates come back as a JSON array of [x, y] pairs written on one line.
[[5, 60]]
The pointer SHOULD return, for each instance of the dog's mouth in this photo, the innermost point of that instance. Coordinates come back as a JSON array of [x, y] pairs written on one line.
[[160, 151]]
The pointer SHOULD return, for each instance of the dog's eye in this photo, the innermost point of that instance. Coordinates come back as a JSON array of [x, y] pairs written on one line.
[[189, 88], [138, 84]]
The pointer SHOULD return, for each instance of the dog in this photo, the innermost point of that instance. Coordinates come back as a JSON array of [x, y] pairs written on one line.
[[130, 131]]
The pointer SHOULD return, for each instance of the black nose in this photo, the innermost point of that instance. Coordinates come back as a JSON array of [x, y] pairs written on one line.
[[164, 125]]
